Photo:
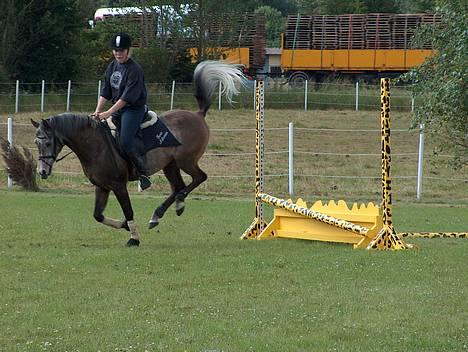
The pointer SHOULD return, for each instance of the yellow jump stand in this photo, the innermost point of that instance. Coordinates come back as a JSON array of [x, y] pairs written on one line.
[[290, 224], [365, 226]]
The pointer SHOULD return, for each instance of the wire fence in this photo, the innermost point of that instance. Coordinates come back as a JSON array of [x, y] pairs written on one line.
[[82, 96], [319, 168]]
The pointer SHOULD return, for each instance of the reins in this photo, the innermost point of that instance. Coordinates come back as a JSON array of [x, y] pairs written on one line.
[[63, 157], [45, 157]]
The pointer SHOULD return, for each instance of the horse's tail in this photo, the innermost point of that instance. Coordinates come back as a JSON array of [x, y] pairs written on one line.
[[207, 77]]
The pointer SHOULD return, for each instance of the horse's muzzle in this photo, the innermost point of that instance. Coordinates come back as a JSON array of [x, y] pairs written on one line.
[[44, 174]]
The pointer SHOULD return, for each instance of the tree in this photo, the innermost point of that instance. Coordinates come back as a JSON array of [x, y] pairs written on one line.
[[274, 25], [339, 7], [39, 39], [286, 7], [416, 6], [440, 84]]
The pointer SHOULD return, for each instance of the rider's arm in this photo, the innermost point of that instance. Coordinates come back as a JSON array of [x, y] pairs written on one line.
[[100, 105], [119, 104], [106, 95]]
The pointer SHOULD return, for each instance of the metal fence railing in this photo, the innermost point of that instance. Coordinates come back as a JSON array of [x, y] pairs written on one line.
[[292, 165], [82, 96]]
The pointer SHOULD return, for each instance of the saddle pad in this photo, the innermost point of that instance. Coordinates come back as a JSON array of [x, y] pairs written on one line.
[[153, 133], [158, 136]]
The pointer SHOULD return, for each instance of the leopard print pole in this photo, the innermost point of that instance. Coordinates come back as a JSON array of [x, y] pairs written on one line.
[[387, 238], [257, 226], [434, 234]]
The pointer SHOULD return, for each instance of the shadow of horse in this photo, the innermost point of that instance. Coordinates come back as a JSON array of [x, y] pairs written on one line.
[[90, 140]]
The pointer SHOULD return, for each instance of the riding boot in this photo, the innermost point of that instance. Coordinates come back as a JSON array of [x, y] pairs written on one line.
[[139, 163]]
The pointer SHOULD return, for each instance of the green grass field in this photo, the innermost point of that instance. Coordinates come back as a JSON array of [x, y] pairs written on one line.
[[69, 284]]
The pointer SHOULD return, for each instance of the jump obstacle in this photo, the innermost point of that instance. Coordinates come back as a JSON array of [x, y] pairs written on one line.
[[365, 226]]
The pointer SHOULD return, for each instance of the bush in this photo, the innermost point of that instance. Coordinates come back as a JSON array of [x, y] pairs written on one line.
[[19, 166]]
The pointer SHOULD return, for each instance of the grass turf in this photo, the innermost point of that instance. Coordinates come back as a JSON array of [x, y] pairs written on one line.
[[70, 284]]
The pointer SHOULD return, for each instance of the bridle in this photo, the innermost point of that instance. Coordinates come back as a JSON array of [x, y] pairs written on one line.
[[44, 158], [54, 157]]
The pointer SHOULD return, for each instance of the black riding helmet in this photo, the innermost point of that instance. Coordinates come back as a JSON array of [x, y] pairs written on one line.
[[121, 41]]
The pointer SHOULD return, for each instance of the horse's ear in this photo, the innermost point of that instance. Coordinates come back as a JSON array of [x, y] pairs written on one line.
[[34, 123]]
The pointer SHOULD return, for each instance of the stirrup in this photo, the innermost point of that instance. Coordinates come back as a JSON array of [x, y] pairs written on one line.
[[144, 182]]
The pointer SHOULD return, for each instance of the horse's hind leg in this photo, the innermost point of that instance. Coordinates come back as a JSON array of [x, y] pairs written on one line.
[[198, 177], [124, 200], [100, 202], [172, 173]]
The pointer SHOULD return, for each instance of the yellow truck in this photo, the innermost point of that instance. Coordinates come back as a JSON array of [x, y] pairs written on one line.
[[368, 44], [316, 46], [239, 56]]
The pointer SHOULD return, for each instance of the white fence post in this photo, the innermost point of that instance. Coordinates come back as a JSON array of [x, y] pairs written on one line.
[[357, 95], [305, 94], [291, 159], [10, 139], [172, 95], [219, 96], [412, 104], [99, 89], [420, 162], [68, 95], [17, 97], [42, 95]]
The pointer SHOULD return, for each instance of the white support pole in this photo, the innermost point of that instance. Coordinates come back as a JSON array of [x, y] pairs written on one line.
[[306, 94], [42, 95], [357, 95], [172, 94], [10, 139], [412, 104], [219, 96], [291, 159], [17, 97], [420, 162], [68, 95], [99, 85]]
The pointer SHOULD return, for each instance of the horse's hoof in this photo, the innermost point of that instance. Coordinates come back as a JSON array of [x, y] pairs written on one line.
[[153, 223], [133, 242], [180, 211], [180, 207]]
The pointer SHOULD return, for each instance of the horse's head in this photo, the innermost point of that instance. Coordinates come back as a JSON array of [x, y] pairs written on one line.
[[48, 145]]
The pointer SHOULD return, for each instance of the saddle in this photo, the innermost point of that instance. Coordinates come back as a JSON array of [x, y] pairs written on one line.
[[153, 133]]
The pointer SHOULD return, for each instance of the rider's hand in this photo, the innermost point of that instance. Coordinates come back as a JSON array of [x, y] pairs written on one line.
[[104, 115]]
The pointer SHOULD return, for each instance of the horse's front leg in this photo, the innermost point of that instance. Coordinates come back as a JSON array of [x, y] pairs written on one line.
[[124, 201], [100, 202]]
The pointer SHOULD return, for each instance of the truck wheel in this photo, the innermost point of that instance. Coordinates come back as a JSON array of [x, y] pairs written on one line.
[[297, 79]]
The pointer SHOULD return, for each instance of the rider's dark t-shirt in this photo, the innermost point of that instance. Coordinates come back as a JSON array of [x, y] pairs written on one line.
[[126, 82]]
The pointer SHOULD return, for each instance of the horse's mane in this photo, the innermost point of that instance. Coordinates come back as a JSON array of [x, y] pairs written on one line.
[[68, 123]]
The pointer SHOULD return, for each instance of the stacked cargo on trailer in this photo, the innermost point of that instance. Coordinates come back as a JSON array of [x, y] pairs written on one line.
[[359, 44]]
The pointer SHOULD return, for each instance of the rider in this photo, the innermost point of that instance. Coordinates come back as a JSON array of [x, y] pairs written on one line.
[[124, 85]]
